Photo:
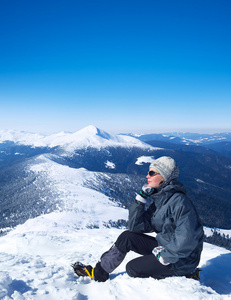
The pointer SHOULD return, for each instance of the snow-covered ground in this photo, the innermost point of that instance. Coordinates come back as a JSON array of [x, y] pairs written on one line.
[[209, 231], [144, 159], [36, 257]]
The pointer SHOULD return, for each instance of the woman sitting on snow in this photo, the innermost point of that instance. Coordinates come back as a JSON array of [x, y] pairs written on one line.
[[176, 249]]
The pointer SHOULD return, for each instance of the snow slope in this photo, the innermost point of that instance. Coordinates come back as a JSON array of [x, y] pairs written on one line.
[[89, 207], [36, 256]]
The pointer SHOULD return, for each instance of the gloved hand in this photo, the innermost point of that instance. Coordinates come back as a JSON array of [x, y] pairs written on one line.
[[145, 192], [157, 252]]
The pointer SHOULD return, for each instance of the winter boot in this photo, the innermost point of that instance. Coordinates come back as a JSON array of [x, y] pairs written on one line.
[[194, 274], [82, 270]]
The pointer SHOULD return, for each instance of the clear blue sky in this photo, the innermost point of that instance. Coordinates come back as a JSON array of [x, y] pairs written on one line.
[[123, 66]]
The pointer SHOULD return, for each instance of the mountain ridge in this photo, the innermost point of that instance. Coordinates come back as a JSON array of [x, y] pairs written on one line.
[[56, 139], [89, 136], [76, 204], [121, 172]]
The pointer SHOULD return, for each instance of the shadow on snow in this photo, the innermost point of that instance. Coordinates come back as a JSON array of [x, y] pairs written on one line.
[[217, 275], [19, 286]]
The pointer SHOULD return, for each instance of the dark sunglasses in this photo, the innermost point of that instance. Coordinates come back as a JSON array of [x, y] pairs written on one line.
[[153, 173]]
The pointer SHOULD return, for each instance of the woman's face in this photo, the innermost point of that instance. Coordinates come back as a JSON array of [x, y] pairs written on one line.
[[155, 180]]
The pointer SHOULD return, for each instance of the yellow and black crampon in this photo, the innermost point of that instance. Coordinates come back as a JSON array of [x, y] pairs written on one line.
[[83, 270], [195, 274]]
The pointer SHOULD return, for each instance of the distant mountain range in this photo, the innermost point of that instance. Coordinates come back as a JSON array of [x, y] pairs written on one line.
[[187, 138], [115, 165], [219, 142]]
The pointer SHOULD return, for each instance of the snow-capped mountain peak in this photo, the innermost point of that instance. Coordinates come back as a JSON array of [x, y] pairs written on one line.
[[89, 136], [92, 132], [92, 136]]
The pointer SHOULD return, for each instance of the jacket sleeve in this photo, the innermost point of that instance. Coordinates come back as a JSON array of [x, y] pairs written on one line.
[[186, 236], [139, 219]]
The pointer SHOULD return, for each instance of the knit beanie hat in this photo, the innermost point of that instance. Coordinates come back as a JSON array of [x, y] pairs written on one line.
[[166, 166]]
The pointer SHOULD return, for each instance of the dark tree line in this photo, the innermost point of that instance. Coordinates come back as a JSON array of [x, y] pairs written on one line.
[[220, 240]]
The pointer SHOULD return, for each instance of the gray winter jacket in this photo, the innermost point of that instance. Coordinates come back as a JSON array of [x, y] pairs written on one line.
[[174, 218]]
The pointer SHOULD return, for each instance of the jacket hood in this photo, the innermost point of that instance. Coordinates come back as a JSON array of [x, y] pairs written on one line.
[[173, 185], [164, 192]]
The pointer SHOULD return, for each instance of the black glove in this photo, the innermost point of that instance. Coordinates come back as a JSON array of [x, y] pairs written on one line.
[[145, 192]]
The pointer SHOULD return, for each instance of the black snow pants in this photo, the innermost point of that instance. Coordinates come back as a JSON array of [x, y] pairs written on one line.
[[144, 266]]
